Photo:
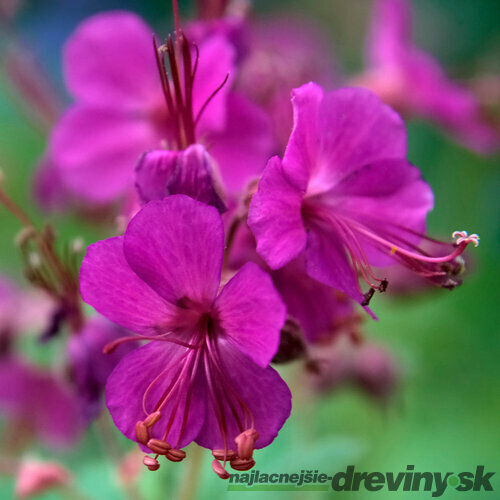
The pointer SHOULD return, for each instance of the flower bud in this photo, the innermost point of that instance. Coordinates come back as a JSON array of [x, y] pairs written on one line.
[[36, 477]]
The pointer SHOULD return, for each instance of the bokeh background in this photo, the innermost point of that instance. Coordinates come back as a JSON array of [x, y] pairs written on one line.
[[445, 415]]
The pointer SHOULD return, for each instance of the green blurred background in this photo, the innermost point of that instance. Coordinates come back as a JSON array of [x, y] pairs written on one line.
[[446, 414]]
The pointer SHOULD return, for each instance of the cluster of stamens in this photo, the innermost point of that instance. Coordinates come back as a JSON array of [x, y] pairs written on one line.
[[201, 353], [440, 270], [177, 73], [158, 446], [240, 460]]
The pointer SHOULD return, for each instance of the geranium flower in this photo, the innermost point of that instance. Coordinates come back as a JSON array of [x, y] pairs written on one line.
[[205, 375], [413, 82], [121, 110], [284, 53], [364, 366], [38, 404], [345, 196]]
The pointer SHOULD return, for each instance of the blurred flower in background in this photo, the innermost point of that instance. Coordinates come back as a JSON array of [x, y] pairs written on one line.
[[414, 83]]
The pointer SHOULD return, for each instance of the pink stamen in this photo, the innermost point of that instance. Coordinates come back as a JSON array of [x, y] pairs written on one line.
[[153, 384], [109, 348], [229, 389], [202, 348], [396, 249], [188, 397], [207, 102], [177, 23], [217, 404]]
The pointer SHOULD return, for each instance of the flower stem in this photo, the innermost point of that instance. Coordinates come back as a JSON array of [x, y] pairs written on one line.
[[114, 452]]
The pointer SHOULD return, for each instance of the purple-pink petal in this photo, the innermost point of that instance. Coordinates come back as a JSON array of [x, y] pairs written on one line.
[[176, 246], [415, 82], [357, 129], [48, 187], [391, 32], [261, 389], [302, 150], [250, 313], [453, 106], [243, 147], [275, 217], [327, 261], [338, 132], [96, 150], [153, 173], [387, 196], [139, 381], [109, 285], [216, 62], [109, 62], [232, 28]]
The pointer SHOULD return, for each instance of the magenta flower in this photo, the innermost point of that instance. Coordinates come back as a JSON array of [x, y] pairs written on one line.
[[364, 366], [38, 404], [345, 196], [284, 53], [120, 111], [205, 375], [414, 82]]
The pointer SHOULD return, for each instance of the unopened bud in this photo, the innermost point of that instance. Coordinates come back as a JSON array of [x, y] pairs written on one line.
[[35, 478], [77, 245], [34, 260], [25, 235], [376, 371]]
